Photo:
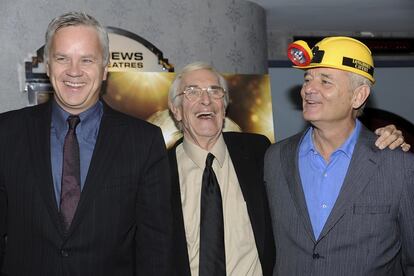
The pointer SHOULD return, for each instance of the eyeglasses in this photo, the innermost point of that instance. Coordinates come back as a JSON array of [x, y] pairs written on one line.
[[194, 92]]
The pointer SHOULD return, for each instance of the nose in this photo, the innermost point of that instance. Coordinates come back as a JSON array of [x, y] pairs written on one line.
[[205, 97], [309, 86], [74, 69]]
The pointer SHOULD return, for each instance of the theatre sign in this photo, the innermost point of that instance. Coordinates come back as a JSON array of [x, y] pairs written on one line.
[[130, 52]]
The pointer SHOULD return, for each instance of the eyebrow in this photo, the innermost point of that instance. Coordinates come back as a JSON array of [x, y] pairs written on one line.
[[82, 56], [327, 76], [59, 55]]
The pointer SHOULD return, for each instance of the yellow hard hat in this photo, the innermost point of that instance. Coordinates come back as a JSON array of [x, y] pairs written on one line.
[[337, 52]]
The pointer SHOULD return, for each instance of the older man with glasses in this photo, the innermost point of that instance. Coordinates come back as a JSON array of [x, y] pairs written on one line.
[[221, 218]]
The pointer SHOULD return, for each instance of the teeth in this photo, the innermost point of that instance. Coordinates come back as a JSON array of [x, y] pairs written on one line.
[[204, 114], [74, 84]]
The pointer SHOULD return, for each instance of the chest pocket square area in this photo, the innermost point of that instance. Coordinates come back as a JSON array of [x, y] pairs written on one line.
[[371, 209]]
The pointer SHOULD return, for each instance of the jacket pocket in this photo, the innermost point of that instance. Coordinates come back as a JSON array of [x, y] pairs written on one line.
[[371, 209]]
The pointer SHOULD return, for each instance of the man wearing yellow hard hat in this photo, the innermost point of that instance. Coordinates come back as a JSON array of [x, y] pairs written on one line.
[[339, 205]]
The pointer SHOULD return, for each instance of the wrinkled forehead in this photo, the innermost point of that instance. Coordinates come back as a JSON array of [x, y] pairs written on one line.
[[81, 37], [202, 78], [326, 72]]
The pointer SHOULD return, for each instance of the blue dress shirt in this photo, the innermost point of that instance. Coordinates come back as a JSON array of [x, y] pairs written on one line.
[[86, 132], [322, 181]]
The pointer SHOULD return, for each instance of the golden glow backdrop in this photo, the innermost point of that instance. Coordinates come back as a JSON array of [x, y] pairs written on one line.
[[145, 95]]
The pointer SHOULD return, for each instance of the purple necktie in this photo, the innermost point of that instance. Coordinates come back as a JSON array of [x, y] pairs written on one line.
[[212, 254], [70, 189]]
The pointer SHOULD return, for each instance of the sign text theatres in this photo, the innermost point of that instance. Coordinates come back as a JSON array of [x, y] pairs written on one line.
[[126, 60]]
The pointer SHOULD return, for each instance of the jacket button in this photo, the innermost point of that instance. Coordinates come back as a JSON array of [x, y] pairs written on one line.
[[316, 256], [64, 253]]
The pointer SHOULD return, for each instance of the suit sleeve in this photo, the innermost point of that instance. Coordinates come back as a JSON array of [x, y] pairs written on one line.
[[154, 217], [3, 222], [406, 218]]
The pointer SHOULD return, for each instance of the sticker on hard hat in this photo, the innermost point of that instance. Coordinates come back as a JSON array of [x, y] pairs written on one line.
[[357, 64], [317, 55]]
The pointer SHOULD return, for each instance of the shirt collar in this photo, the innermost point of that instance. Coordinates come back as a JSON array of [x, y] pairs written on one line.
[[88, 125], [306, 145], [199, 155], [347, 147]]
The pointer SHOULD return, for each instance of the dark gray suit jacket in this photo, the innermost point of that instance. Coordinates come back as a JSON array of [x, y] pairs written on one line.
[[370, 231], [122, 226]]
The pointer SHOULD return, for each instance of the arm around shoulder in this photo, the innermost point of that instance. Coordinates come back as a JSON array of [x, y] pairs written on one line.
[[3, 223]]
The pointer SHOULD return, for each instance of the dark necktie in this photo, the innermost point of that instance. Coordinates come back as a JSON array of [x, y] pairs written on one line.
[[212, 254], [70, 189]]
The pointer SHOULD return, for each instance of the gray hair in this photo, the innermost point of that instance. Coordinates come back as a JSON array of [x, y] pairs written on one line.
[[356, 81], [175, 86], [76, 19]]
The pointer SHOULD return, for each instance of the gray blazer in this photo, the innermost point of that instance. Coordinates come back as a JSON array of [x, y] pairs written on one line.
[[370, 230]]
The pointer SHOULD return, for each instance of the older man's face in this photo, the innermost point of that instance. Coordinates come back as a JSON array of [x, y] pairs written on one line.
[[327, 96], [202, 119]]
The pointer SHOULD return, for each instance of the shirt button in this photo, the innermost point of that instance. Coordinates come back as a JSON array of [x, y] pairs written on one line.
[[325, 174], [324, 206], [316, 256], [64, 253]]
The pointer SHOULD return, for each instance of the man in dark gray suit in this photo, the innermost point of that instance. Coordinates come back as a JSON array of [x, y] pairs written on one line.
[[114, 218], [339, 205]]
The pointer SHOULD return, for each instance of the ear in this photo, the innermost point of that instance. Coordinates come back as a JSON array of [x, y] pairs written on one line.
[[105, 73], [360, 96], [47, 69], [176, 111]]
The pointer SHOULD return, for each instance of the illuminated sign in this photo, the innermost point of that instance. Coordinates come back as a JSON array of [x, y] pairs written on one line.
[[130, 52]]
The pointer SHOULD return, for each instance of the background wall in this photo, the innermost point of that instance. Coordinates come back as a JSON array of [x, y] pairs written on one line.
[[278, 40], [229, 34], [393, 92]]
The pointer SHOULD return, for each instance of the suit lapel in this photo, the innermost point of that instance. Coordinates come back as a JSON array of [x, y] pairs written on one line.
[[110, 135], [363, 163], [289, 158], [242, 162], [39, 144], [181, 255]]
